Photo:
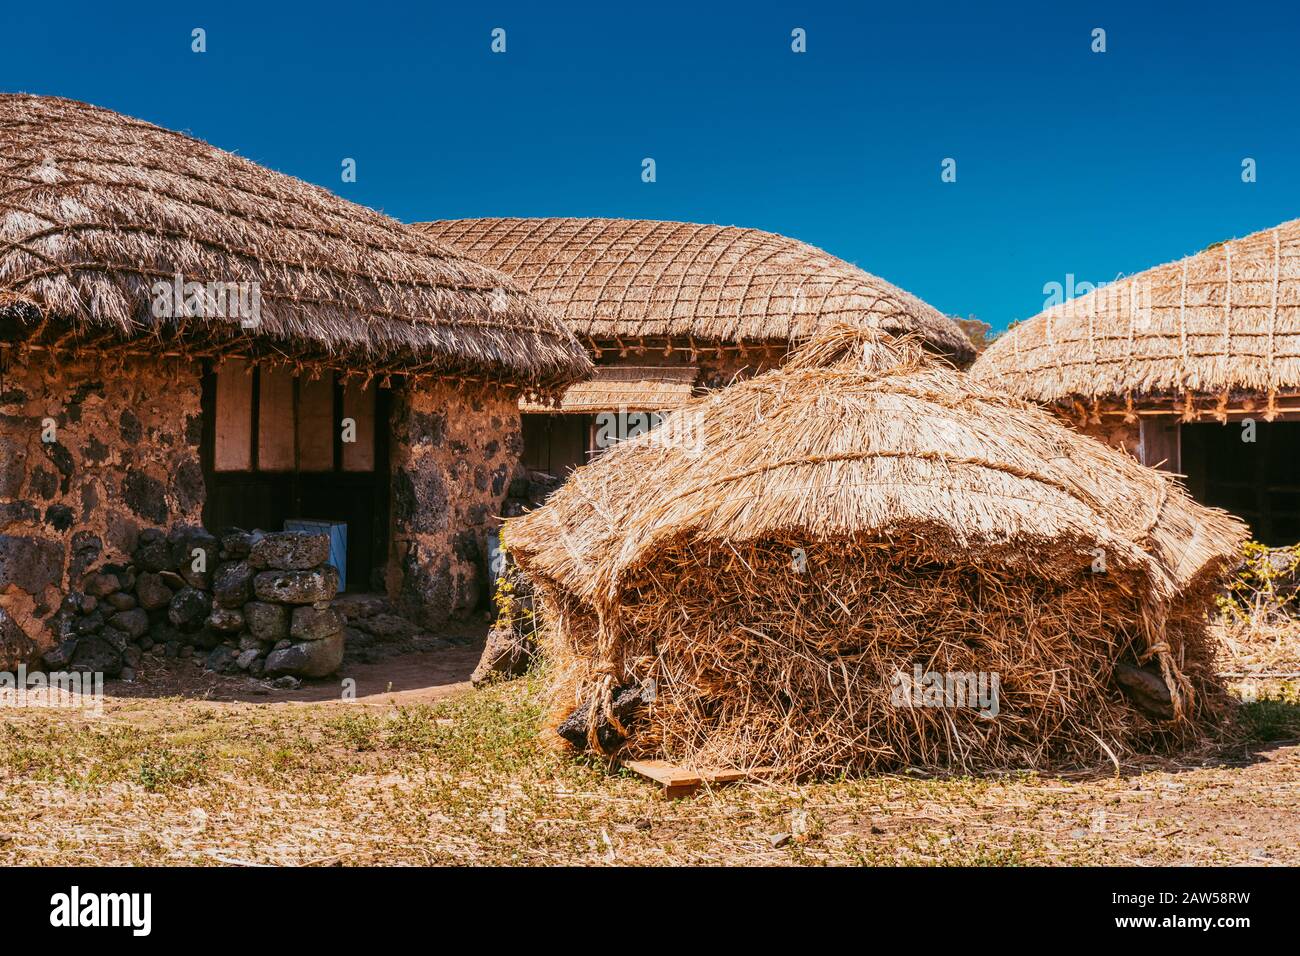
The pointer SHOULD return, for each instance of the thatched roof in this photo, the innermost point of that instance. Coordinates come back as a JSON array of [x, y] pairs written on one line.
[[1221, 321], [861, 435], [630, 388], [97, 208], [639, 279]]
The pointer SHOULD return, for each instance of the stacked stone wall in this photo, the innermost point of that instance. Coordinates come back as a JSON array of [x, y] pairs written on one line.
[[91, 453]]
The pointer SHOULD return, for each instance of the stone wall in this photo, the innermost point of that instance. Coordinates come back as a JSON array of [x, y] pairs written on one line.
[[124, 456], [250, 602], [454, 453]]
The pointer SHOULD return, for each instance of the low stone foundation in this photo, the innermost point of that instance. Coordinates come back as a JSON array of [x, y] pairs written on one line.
[[250, 602]]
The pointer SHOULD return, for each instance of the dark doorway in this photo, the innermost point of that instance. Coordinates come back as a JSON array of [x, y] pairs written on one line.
[[556, 444], [1258, 481], [276, 447]]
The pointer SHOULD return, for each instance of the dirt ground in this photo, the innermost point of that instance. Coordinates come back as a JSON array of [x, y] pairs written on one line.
[[184, 767]]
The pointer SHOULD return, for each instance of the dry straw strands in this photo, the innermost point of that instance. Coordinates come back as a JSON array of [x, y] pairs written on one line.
[[630, 388], [779, 550], [95, 208], [1224, 320], [615, 279]]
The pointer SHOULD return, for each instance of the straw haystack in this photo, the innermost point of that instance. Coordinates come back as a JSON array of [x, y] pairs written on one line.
[[99, 208], [620, 282], [745, 585]]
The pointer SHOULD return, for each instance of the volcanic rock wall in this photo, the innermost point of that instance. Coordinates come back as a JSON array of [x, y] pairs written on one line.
[[454, 452], [89, 455], [251, 602]]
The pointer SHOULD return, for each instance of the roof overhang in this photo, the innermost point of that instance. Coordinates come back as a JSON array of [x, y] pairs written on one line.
[[624, 388]]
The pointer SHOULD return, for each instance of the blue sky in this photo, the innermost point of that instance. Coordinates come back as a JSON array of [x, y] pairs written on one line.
[[1068, 162]]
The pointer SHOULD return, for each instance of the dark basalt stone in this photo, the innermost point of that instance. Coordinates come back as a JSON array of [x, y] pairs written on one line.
[[266, 622], [314, 624], [625, 704], [30, 564], [145, 496], [237, 543], [16, 647], [308, 659], [153, 553], [94, 451], [17, 512], [59, 517], [86, 549], [232, 584], [221, 660], [297, 587], [90, 624], [60, 656], [121, 600], [189, 485], [95, 655], [188, 608], [135, 622], [61, 458], [290, 551], [129, 427], [420, 499], [103, 584], [227, 619], [152, 592], [44, 484]]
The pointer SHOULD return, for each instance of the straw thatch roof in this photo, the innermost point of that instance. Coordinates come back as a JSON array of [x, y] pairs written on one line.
[[1224, 320], [96, 208], [631, 388], [620, 279], [875, 445]]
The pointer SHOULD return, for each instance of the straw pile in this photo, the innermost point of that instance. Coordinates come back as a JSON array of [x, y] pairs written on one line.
[[621, 280], [741, 587], [97, 208], [1222, 321]]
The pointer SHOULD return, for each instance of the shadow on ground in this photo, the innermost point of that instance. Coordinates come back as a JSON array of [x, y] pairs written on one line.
[[415, 677]]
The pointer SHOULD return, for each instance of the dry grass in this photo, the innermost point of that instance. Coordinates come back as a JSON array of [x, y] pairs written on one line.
[[1255, 651], [174, 781]]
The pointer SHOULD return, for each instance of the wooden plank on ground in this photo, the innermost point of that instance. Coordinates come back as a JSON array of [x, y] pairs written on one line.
[[683, 781]]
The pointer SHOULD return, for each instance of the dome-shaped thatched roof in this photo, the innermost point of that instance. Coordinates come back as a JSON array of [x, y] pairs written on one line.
[[1224, 320], [635, 278], [99, 208], [861, 435], [743, 586]]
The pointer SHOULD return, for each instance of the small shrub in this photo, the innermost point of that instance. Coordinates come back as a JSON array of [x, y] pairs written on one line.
[[1261, 592]]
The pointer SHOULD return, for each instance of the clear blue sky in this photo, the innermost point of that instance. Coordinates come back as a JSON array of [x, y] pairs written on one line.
[[1067, 161]]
